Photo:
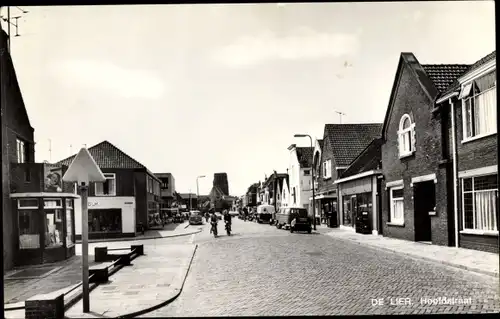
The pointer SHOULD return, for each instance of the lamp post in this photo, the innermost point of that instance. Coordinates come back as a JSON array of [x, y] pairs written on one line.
[[198, 191], [312, 178]]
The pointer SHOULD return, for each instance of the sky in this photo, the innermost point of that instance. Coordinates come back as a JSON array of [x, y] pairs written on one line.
[[200, 89]]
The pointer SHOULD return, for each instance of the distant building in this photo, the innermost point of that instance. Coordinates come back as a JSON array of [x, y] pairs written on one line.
[[129, 197], [220, 180], [167, 191]]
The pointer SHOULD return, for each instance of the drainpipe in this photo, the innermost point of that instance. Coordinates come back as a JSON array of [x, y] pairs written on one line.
[[454, 150]]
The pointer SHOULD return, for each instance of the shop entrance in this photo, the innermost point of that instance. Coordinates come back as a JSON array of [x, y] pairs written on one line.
[[424, 198]]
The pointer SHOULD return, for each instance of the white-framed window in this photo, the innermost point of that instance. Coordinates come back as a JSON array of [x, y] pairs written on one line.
[[406, 136], [479, 198], [327, 168], [108, 188], [397, 205], [479, 106], [27, 203], [21, 151]]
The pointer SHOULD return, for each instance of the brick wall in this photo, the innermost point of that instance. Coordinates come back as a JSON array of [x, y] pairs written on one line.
[[327, 153], [141, 200], [411, 99], [14, 123]]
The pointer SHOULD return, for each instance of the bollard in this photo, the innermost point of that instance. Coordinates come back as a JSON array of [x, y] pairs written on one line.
[[101, 254], [139, 249], [45, 307], [101, 274], [124, 259]]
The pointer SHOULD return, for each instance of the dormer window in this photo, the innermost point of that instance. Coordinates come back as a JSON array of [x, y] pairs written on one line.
[[406, 136], [479, 107]]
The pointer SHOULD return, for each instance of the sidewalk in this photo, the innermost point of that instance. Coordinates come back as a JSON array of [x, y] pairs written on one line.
[[41, 279], [468, 259], [152, 280], [170, 230]]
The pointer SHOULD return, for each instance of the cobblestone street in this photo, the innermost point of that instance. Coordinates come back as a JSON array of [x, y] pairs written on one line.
[[265, 271]]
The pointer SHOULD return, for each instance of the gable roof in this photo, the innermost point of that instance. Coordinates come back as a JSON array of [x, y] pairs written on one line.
[[455, 85], [305, 156], [433, 79], [369, 159], [348, 140], [107, 155], [8, 70]]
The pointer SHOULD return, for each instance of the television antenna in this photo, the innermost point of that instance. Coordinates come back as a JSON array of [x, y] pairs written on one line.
[[340, 115], [12, 21]]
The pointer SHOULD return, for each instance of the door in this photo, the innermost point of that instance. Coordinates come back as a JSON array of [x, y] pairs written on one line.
[[424, 197], [378, 204], [354, 210]]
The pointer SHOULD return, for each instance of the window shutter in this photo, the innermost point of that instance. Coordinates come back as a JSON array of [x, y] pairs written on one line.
[[413, 139]]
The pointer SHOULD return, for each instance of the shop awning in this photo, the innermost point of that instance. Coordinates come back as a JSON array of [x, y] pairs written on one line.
[[324, 196], [357, 176]]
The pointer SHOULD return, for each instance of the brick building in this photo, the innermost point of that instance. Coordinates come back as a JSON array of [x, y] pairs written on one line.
[[342, 143], [415, 201], [469, 109], [37, 210], [129, 197]]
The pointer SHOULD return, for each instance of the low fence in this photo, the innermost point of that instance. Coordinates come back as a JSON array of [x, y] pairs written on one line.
[[53, 307]]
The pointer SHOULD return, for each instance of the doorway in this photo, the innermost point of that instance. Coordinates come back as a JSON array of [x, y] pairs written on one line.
[[424, 198]]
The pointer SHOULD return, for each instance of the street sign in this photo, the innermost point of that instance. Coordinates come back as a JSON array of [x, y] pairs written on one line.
[[84, 170]]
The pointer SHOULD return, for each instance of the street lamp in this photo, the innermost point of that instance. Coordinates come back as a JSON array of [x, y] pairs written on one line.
[[198, 191], [312, 177]]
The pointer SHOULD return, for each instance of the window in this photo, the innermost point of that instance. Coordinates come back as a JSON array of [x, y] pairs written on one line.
[[27, 203], [480, 195], [294, 194], [29, 235], [480, 106], [69, 223], [150, 184], [307, 172], [108, 188], [105, 220], [53, 228], [397, 205], [406, 136], [21, 151], [327, 169]]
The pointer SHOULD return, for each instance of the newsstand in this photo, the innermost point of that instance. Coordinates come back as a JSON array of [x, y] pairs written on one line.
[[363, 224]]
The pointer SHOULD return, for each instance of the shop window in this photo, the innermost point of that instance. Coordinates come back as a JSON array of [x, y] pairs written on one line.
[[52, 203], [105, 220], [480, 195], [27, 203], [29, 233], [53, 228], [69, 223]]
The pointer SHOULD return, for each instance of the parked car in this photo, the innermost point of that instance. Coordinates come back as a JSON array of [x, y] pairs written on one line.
[[195, 218], [264, 213], [294, 219]]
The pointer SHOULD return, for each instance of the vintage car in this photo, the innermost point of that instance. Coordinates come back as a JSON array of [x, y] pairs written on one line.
[[195, 218], [264, 213], [294, 218]]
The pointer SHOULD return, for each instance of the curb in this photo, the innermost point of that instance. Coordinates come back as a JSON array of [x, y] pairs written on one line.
[[166, 302], [442, 262], [140, 238]]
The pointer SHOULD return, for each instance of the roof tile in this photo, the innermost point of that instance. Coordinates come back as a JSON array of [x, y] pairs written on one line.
[[349, 140], [107, 155], [442, 75], [305, 156]]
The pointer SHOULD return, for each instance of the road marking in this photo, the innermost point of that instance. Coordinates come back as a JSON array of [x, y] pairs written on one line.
[[191, 240]]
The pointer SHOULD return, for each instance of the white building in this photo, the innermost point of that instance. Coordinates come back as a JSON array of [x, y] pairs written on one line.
[[300, 175]]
